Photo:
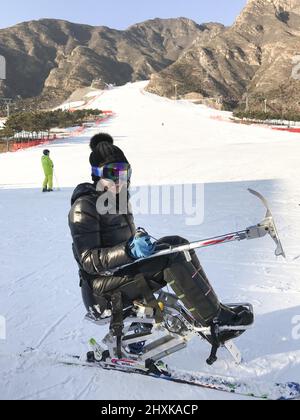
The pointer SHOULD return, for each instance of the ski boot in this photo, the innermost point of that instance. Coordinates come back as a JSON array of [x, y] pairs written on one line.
[[231, 322]]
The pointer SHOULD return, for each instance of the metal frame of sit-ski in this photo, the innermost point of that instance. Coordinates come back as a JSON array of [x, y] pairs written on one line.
[[162, 341]]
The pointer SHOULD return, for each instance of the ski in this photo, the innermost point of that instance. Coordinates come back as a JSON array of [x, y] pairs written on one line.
[[278, 391], [243, 388]]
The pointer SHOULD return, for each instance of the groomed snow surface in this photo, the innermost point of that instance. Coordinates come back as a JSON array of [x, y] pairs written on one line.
[[167, 143]]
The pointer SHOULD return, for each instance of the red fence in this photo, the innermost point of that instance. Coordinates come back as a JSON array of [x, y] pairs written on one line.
[[103, 119], [289, 129], [31, 143]]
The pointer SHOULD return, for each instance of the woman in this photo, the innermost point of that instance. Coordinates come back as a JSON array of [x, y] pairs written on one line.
[[104, 241]]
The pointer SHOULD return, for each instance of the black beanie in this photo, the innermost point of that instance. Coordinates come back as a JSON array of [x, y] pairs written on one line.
[[104, 151]]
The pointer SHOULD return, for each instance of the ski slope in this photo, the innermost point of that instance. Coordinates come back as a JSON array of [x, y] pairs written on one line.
[[168, 143]]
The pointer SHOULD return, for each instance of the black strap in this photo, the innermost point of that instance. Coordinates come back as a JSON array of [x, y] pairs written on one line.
[[117, 325], [80, 279], [215, 345], [149, 297]]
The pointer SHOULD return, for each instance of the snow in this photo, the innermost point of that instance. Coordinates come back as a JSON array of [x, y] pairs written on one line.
[[168, 143], [87, 101], [93, 94], [75, 104]]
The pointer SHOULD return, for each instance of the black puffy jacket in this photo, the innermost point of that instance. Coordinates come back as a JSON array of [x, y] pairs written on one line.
[[99, 241]]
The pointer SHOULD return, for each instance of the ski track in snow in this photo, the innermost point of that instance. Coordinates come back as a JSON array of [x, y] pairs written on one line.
[[53, 327], [39, 293]]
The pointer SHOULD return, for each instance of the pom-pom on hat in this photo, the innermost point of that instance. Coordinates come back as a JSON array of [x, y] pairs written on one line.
[[104, 151]]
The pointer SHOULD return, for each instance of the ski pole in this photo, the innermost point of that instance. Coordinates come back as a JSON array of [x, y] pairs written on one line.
[[218, 240], [56, 180], [267, 226], [249, 233]]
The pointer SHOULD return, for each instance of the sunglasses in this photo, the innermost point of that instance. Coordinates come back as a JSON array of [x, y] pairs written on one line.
[[113, 171]]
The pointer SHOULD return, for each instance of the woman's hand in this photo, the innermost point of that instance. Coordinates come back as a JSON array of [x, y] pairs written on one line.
[[141, 246]]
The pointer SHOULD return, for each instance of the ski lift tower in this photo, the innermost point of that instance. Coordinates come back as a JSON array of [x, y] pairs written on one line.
[[6, 101]]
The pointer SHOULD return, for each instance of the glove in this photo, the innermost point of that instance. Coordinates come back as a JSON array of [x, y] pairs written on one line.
[[141, 245]]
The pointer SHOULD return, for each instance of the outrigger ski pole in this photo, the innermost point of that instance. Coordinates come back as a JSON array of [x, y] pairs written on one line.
[[267, 226]]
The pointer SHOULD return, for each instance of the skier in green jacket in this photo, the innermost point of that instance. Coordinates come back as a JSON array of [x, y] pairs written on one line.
[[48, 170]]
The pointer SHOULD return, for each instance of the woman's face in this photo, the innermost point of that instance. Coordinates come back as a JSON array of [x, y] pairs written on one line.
[[111, 186]]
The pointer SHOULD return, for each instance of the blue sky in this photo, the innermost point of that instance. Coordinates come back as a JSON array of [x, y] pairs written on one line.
[[118, 14]]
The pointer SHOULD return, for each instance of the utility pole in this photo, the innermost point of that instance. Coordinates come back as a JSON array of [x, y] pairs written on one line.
[[176, 92], [266, 106], [8, 109], [247, 103]]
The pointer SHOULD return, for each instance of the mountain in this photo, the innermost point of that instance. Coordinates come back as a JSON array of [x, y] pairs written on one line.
[[258, 56], [55, 56]]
